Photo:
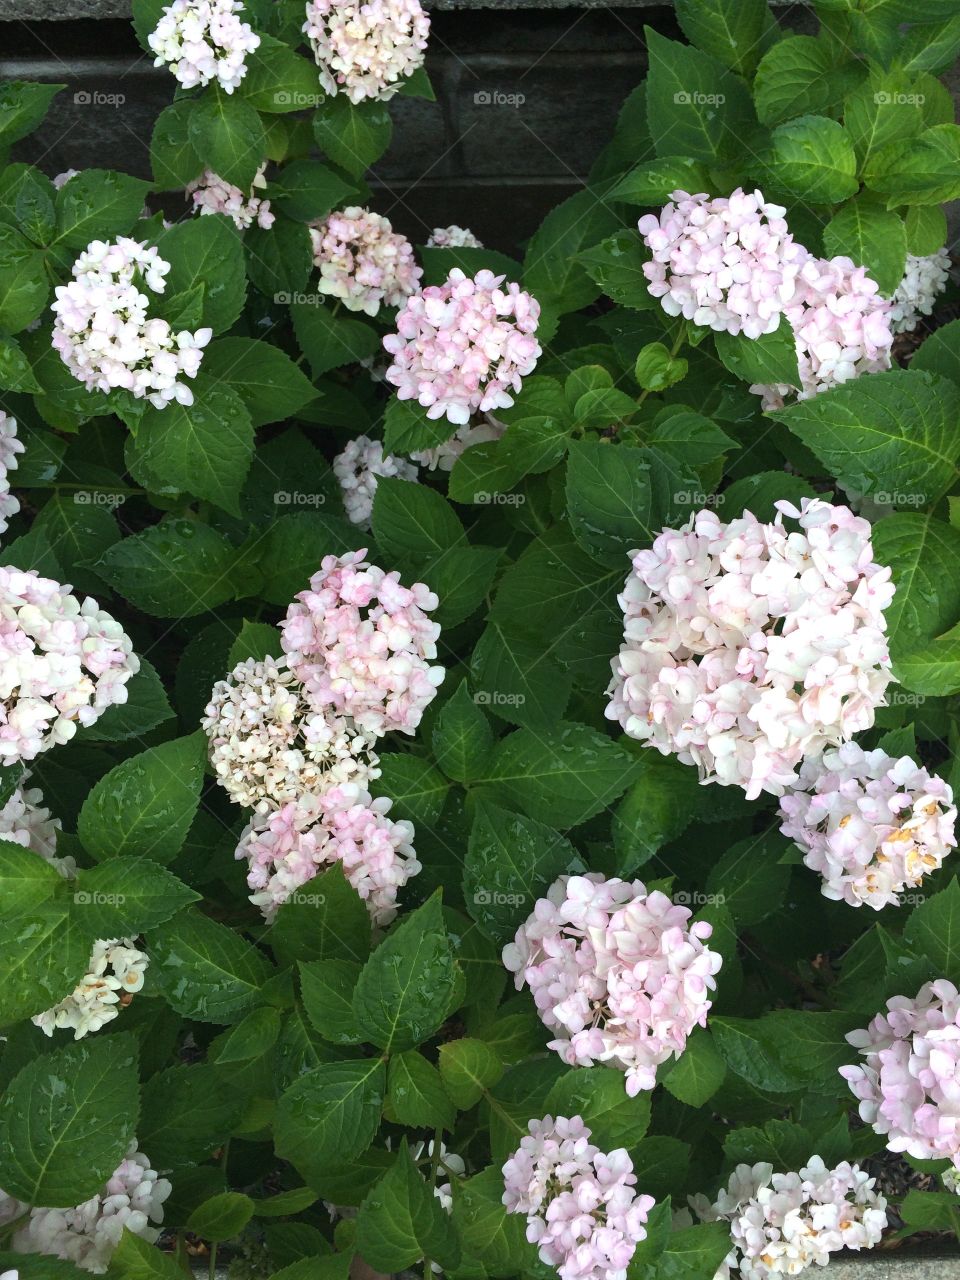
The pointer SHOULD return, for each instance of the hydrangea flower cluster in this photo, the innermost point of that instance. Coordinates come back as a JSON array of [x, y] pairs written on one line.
[[106, 338], [363, 261], [87, 1235], [10, 446], [463, 346], [25, 821], [842, 328], [213, 194], [62, 662], [268, 746], [581, 1204], [782, 1223], [616, 972], [445, 455], [366, 50], [204, 40], [362, 644], [289, 846], [870, 824], [358, 468], [115, 974], [908, 1084], [925, 277], [748, 647], [453, 237]]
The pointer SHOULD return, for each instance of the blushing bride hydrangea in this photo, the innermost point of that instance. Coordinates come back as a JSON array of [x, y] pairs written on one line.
[[581, 1204], [114, 975], [453, 237], [908, 1084], [363, 261], [366, 49], [213, 194], [782, 1223], [925, 277], [10, 446], [25, 821], [748, 647], [62, 662], [616, 972], [103, 331], [358, 467], [463, 346], [204, 40], [444, 456], [286, 848], [362, 644], [87, 1235], [268, 747], [872, 825]]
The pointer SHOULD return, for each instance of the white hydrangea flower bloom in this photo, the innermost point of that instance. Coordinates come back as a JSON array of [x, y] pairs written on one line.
[[213, 194], [366, 50], [924, 279], [204, 40], [358, 467], [453, 237], [115, 974], [10, 446], [24, 821]]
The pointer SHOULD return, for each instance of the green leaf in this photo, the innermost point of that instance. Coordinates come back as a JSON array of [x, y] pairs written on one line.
[[24, 287], [330, 1115], [173, 158], [264, 377], [16, 373], [656, 809], [933, 930], [462, 738], [23, 105], [411, 521], [407, 429], [175, 569], [598, 1095], [145, 805], [127, 896], [926, 228], [691, 437], [940, 353], [438, 263], [781, 1143], [812, 158], [279, 80], [552, 271], [750, 1050], [27, 202], [608, 497], [616, 266], [873, 238], [137, 1259], [98, 204], [353, 136], [207, 251], [511, 862], [516, 681], [656, 369], [145, 708], [769, 359], [188, 1111], [417, 790], [306, 189], [415, 1093], [890, 433], [931, 1211], [798, 76], [467, 1068], [203, 448], [401, 1221], [694, 1253], [565, 780], [205, 970], [329, 341], [79, 532], [336, 926], [921, 170], [284, 1203], [252, 1037], [227, 134], [885, 109], [290, 551], [221, 1217], [405, 989], [66, 1119], [749, 879], [814, 1045], [327, 987], [652, 182], [699, 1071], [732, 31], [280, 259]]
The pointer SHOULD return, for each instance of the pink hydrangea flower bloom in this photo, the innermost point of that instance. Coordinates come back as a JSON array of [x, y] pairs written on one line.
[[358, 468], [287, 847], [463, 346], [362, 644], [453, 237], [748, 647], [204, 40], [908, 1084], [10, 446], [444, 456], [363, 261], [616, 972], [782, 1223], [212, 194], [925, 277], [872, 825], [366, 50], [581, 1204]]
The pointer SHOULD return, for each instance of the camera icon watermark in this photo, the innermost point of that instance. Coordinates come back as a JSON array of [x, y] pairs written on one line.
[[494, 698], [297, 498], [484, 499], [96, 98], [695, 498], [896, 498], [290, 98], [910, 899], [885, 99], [694, 98], [302, 899], [494, 898], [284, 299], [83, 898], [98, 498], [695, 898], [495, 98]]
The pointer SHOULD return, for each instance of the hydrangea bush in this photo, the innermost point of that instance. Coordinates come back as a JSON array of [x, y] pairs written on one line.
[[478, 734]]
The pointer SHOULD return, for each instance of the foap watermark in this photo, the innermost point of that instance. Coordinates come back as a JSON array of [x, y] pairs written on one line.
[[694, 98], [290, 98], [901, 698], [885, 99], [896, 498], [910, 899], [83, 898], [694, 498], [695, 898], [494, 898], [496, 98], [302, 899], [296, 498], [484, 499], [284, 299], [98, 498], [494, 698], [97, 98]]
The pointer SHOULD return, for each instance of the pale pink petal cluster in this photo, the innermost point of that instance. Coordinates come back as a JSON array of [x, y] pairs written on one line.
[[131, 1200], [462, 347], [114, 975], [581, 1204], [10, 446], [925, 277], [105, 335], [366, 49], [213, 194], [362, 644], [729, 263], [841, 324], [25, 821], [453, 237], [618, 973], [748, 647], [872, 825], [444, 456], [286, 848], [908, 1084], [358, 467], [204, 40], [61, 179], [363, 261], [268, 746], [782, 1223], [63, 661]]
